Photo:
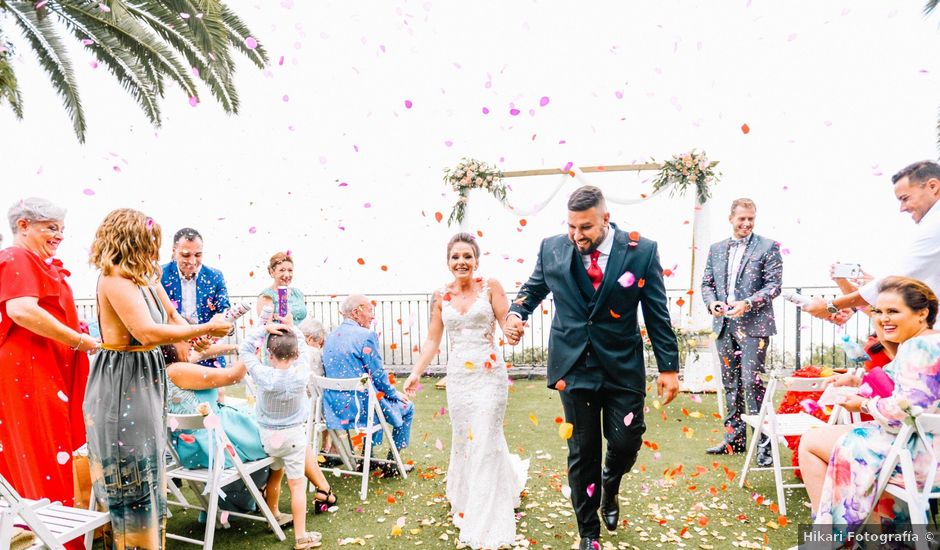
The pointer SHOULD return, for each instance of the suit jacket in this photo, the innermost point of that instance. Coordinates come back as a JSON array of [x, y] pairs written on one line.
[[760, 277], [349, 352], [211, 296], [607, 318]]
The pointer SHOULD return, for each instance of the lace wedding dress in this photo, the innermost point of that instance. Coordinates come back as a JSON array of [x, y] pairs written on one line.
[[484, 480]]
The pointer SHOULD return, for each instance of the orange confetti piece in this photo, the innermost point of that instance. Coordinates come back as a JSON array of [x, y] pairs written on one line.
[[384, 268], [667, 272], [565, 430], [782, 521], [522, 222], [479, 233], [366, 350], [634, 235], [702, 520], [745, 129], [391, 499], [614, 314], [360, 261], [561, 385], [641, 283], [380, 395], [680, 302], [438, 216], [393, 346]]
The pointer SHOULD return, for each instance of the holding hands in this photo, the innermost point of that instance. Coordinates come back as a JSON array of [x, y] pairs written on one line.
[[514, 329]]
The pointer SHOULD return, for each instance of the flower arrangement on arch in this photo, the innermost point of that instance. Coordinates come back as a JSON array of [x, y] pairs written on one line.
[[472, 174], [687, 170]]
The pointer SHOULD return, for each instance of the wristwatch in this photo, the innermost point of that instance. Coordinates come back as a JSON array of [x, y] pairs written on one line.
[[748, 305], [831, 308]]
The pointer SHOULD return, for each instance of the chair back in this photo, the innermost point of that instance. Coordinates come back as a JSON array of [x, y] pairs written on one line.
[[795, 383]]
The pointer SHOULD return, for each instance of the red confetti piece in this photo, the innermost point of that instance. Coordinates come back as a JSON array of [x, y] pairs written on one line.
[[745, 128], [438, 216], [384, 268], [360, 261], [523, 222]]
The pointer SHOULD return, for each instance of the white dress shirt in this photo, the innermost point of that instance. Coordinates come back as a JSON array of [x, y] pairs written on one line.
[[188, 296], [735, 255], [920, 260], [606, 245]]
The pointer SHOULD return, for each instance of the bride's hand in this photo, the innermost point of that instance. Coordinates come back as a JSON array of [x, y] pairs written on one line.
[[411, 385]]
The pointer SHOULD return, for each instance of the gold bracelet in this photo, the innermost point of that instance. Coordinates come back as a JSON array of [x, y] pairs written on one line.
[[81, 337]]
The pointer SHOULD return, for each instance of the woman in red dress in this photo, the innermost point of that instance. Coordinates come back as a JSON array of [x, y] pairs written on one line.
[[43, 360]]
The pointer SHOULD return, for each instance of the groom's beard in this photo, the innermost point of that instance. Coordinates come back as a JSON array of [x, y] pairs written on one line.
[[594, 244]]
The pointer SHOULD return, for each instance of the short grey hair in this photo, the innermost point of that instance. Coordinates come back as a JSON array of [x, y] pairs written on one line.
[[351, 303], [313, 329], [34, 209]]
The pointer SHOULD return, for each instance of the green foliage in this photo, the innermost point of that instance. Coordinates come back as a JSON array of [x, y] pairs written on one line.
[[529, 356], [142, 44]]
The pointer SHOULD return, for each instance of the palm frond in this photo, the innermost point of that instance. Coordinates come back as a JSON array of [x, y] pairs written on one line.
[[167, 24], [121, 31], [9, 90], [43, 39], [239, 33], [930, 6]]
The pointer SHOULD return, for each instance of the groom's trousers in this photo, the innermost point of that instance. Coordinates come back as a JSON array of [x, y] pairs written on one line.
[[599, 409]]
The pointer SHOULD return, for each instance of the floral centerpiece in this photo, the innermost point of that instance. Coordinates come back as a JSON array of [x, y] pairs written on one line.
[[686, 170], [472, 174]]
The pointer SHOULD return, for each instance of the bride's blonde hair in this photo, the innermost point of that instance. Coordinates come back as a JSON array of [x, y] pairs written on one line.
[[127, 244], [464, 238]]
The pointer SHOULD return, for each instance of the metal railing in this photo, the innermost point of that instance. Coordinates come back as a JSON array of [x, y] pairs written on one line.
[[402, 320]]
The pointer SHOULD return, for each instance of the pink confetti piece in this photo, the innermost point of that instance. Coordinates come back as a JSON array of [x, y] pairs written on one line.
[[89, 192], [627, 279], [212, 422], [627, 420], [223, 517], [184, 15], [438, 445], [544, 101], [61, 395], [252, 230], [193, 101], [865, 390], [514, 112], [251, 43], [41, 3], [173, 424], [62, 457], [366, 350], [590, 490], [104, 8], [280, 61], [367, 205], [343, 184], [448, 143], [187, 438], [809, 406], [408, 104], [618, 94], [567, 166], [85, 41], [486, 111], [150, 223], [286, 98]]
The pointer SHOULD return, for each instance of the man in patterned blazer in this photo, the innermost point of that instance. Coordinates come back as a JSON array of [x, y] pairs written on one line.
[[742, 277]]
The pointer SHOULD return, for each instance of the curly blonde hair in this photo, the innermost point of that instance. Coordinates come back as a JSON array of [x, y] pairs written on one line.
[[127, 244]]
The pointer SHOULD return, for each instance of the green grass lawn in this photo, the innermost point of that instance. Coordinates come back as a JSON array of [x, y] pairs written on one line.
[[675, 497]]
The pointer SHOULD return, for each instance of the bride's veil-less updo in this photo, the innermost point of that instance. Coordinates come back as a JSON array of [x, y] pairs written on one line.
[[468, 239]]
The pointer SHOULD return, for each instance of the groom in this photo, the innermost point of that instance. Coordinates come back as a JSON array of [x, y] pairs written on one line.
[[598, 276]]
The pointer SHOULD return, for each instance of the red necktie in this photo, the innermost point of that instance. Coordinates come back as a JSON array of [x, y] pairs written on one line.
[[594, 272]]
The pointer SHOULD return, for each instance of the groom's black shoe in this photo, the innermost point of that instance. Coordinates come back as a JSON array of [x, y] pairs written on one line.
[[589, 543], [726, 448], [610, 509]]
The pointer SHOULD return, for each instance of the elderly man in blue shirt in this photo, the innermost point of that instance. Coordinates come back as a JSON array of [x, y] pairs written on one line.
[[351, 351]]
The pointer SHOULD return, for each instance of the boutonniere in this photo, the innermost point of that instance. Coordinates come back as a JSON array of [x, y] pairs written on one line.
[[634, 238]]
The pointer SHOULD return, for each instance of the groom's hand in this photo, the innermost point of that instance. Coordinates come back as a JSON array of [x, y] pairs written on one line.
[[514, 328], [668, 386]]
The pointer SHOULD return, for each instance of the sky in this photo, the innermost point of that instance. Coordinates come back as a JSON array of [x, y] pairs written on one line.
[[339, 148]]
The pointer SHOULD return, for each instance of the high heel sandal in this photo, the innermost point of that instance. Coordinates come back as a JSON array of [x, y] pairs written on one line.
[[322, 505]]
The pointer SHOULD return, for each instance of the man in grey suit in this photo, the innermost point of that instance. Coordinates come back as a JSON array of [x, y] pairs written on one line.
[[742, 277]]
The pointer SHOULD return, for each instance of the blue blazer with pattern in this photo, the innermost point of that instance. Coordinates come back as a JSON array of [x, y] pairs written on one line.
[[211, 296]]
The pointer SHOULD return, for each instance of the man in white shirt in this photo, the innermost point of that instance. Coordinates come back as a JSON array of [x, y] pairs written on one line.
[[197, 291], [917, 188]]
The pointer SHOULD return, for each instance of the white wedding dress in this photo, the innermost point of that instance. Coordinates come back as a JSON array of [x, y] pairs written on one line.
[[484, 480]]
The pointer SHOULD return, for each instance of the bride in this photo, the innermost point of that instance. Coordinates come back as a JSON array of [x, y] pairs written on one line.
[[484, 481]]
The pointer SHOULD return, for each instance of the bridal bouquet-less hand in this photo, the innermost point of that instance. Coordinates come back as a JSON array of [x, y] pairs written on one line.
[[472, 174], [687, 170]]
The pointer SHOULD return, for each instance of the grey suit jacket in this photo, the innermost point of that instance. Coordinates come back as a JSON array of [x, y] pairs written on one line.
[[760, 277]]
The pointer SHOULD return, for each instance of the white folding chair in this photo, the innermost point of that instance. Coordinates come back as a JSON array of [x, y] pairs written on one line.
[[777, 427], [318, 429], [52, 523], [373, 412], [216, 479], [917, 499]]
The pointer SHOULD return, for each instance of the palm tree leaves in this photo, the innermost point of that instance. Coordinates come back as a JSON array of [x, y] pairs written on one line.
[[9, 90], [142, 43]]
